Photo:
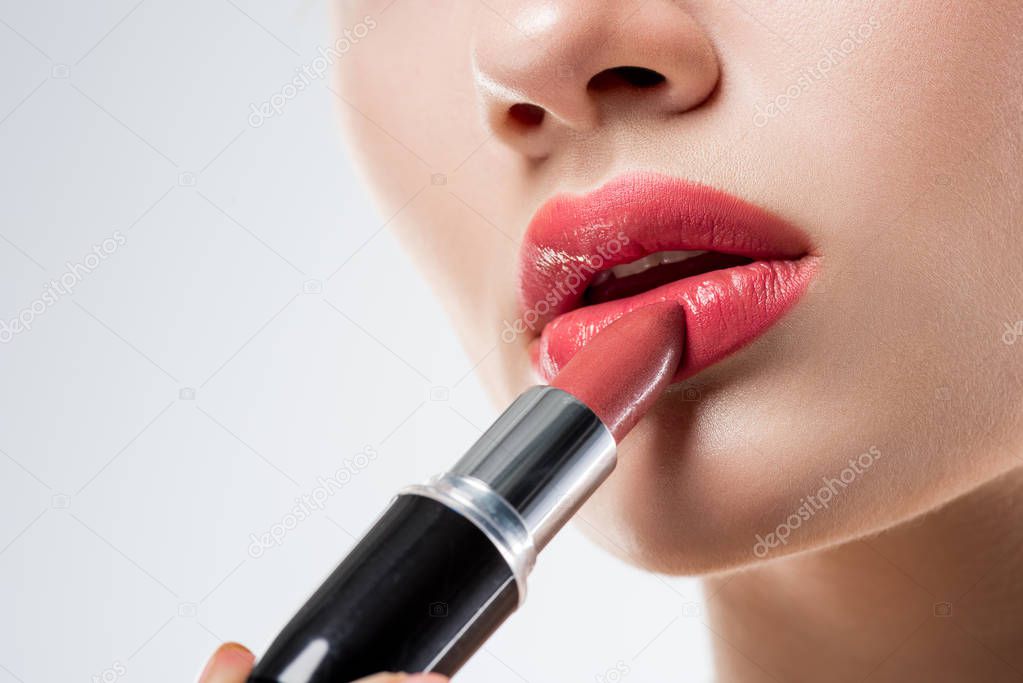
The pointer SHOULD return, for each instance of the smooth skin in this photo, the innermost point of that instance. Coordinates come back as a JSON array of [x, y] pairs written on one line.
[[891, 133]]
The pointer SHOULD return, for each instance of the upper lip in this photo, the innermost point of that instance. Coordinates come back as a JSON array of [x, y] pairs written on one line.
[[573, 238]]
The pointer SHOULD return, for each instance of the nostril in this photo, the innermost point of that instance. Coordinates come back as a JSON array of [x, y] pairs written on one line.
[[526, 115], [628, 76]]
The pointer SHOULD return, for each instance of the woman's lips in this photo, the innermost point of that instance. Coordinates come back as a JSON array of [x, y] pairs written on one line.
[[725, 310], [573, 238]]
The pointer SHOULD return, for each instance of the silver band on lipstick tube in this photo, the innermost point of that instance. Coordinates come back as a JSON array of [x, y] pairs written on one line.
[[528, 474], [491, 513]]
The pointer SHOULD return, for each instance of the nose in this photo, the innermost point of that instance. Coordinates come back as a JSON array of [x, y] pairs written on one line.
[[545, 67]]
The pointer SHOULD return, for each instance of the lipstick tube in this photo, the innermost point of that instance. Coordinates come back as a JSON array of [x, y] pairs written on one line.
[[448, 560]]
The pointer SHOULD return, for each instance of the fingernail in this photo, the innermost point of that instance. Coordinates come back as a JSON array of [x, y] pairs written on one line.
[[404, 678], [231, 662]]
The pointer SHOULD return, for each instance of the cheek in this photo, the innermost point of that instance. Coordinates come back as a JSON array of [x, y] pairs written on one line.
[[406, 95], [942, 93], [446, 189], [466, 260]]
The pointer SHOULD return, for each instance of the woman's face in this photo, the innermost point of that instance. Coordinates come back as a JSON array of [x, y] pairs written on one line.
[[864, 368]]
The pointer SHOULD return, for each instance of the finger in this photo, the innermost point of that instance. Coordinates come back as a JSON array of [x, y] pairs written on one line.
[[404, 678], [231, 663]]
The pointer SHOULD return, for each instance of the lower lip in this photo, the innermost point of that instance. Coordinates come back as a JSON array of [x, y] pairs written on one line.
[[725, 310]]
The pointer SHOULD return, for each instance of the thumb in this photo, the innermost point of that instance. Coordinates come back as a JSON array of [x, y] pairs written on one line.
[[231, 663]]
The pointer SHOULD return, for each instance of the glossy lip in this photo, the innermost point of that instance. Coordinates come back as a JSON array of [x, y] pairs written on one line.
[[572, 238]]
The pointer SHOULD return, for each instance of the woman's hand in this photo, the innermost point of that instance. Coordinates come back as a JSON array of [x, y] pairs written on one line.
[[232, 662]]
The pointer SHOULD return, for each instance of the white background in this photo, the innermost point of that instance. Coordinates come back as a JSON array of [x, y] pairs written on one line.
[[128, 507]]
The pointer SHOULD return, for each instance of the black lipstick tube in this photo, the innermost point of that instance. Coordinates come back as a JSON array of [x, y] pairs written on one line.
[[447, 562]]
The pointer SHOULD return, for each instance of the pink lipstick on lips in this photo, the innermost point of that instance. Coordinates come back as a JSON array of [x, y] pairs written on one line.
[[587, 260], [617, 377]]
